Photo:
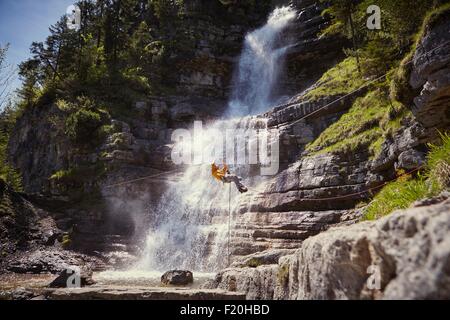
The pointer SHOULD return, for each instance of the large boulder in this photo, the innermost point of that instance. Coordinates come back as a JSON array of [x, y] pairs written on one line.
[[177, 278], [66, 279]]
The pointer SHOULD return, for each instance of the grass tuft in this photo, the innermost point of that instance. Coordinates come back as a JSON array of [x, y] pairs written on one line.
[[339, 80], [365, 125], [401, 193]]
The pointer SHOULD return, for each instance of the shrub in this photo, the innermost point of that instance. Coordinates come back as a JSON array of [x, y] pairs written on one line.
[[83, 125], [8, 173]]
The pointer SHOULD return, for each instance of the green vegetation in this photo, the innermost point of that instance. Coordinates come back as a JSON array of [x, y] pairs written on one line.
[[401, 193], [283, 274], [75, 177], [254, 262], [7, 172], [379, 114], [8, 116], [396, 195], [365, 125], [66, 241], [376, 50], [339, 80]]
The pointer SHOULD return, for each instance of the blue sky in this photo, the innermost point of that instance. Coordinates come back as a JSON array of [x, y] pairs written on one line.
[[25, 21]]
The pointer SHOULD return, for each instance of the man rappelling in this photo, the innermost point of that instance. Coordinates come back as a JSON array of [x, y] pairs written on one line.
[[225, 176]]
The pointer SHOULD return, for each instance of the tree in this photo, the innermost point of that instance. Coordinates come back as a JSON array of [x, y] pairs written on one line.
[[402, 18], [7, 119], [32, 80], [342, 14], [7, 77]]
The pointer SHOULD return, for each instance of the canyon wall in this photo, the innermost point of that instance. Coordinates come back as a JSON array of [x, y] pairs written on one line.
[[319, 192]]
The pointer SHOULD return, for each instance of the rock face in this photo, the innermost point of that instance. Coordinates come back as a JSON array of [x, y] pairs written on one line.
[[177, 278], [314, 192], [430, 76], [406, 254], [303, 69], [22, 225], [30, 240]]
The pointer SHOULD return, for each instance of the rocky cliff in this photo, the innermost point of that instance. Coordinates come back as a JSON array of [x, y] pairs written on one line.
[[407, 251]]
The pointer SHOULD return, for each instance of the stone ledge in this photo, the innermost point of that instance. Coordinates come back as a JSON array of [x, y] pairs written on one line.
[[140, 293]]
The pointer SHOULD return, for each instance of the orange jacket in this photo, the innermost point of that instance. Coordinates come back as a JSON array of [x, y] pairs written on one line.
[[217, 172]]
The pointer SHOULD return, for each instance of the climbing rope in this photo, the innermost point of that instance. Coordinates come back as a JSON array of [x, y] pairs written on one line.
[[352, 92], [229, 223], [141, 178]]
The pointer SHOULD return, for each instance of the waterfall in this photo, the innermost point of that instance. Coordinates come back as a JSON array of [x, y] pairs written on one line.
[[260, 65], [190, 225]]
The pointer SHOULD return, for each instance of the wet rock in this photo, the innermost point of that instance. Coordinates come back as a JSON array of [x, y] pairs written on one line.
[[17, 294], [121, 293], [177, 278], [66, 278], [51, 260]]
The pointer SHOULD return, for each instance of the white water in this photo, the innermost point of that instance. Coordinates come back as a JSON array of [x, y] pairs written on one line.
[[190, 227], [260, 64]]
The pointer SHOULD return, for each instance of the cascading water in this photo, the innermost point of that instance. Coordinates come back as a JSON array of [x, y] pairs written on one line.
[[190, 228], [260, 65]]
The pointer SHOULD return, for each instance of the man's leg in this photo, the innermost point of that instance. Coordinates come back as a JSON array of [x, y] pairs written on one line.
[[237, 182]]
